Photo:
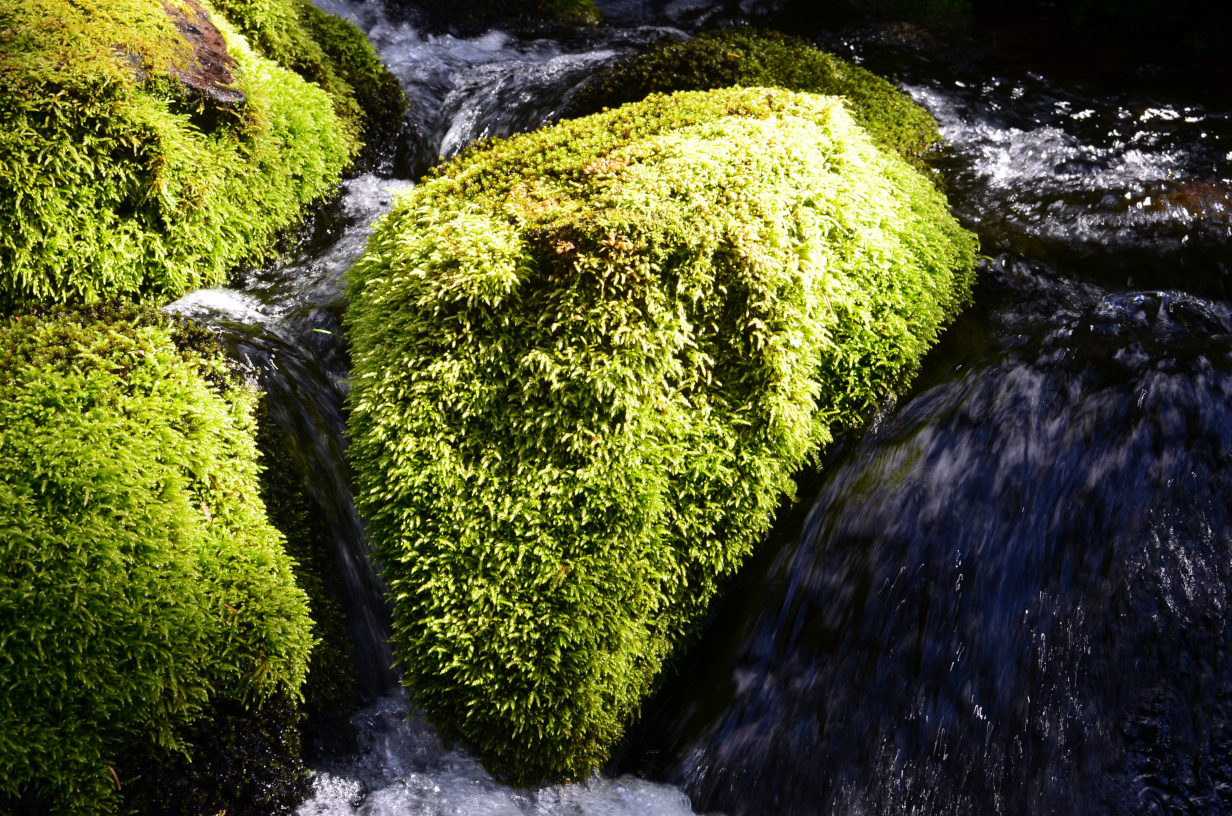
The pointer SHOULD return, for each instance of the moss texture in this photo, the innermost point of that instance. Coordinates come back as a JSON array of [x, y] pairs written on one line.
[[738, 57], [329, 52], [119, 180], [587, 362], [139, 577], [534, 17]]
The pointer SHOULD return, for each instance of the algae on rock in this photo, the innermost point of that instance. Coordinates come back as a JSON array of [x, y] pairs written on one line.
[[139, 577], [122, 178], [587, 362]]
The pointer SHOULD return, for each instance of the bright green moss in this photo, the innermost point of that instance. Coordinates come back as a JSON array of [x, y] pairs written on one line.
[[119, 182], [325, 50], [755, 59], [139, 577], [587, 362]]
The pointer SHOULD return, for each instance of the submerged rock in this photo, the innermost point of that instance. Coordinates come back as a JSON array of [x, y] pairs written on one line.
[[587, 362]]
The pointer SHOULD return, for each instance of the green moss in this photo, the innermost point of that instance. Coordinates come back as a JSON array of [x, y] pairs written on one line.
[[139, 577], [119, 182], [325, 50], [587, 362], [544, 17], [765, 59]]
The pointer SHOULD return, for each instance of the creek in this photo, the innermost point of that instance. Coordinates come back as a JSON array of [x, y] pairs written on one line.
[[1008, 595]]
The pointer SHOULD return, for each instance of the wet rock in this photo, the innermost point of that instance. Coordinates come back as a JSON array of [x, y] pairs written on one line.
[[208, 76]]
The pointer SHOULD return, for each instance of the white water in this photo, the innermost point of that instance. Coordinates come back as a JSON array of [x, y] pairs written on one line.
[[403, 769]]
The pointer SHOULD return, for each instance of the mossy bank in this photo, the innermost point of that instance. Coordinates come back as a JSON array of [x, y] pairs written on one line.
[[140, 581], [147, 149], [587, 362]]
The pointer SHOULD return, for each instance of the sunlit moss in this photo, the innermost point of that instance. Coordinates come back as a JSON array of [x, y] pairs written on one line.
[[139, 577], [587, 362], [118, 181], [741, 57], [326, 50]]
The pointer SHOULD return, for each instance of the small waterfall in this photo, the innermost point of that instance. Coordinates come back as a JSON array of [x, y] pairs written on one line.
[[282, 325]]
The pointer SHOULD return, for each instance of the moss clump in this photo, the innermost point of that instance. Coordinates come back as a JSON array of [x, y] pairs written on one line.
[[120, 181], [587, 362], [139, 577], [329, 52], [521, 16], [765, 59]]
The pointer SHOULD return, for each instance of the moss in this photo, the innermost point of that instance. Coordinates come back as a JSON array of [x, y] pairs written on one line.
[[139, 577], [587, 362], [533, 17], [329, 52], [753, 59], [119, 180]]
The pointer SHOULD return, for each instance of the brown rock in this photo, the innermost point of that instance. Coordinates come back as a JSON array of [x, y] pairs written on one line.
[[209, 75]]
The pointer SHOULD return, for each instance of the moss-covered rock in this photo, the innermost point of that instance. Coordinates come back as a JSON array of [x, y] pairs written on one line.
[[139, 577], [244, 759], [587, 362], [329, 52], [740, 57], [524, 17], [127, 172]]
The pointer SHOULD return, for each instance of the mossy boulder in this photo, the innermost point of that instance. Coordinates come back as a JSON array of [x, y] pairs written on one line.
[[132, 169], [139, 577], [331, 53], [741, 57], [587, 362]]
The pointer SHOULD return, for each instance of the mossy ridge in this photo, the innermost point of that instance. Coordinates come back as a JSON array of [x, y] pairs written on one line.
[[327, 51], [587, 361], [740, 57], [116, 184], [521, 17], [139, 577]]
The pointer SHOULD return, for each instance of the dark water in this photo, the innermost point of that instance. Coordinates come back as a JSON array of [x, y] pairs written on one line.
[[1009, 595]]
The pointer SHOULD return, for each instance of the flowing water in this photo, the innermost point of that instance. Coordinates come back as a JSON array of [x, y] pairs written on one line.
[[1009, 595]]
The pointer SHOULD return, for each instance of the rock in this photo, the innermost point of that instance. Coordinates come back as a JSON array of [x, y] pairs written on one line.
[[209, 76]]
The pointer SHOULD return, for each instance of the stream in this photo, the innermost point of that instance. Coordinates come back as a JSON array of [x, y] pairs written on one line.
[[1008, 595]]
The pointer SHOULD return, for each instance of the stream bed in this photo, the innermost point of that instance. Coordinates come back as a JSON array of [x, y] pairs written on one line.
[[1008, 595]]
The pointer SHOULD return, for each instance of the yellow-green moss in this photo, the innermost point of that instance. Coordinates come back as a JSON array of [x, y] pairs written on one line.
[[587, 362], [746, 58], [117, 181], [325, 50], [139, 577]]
